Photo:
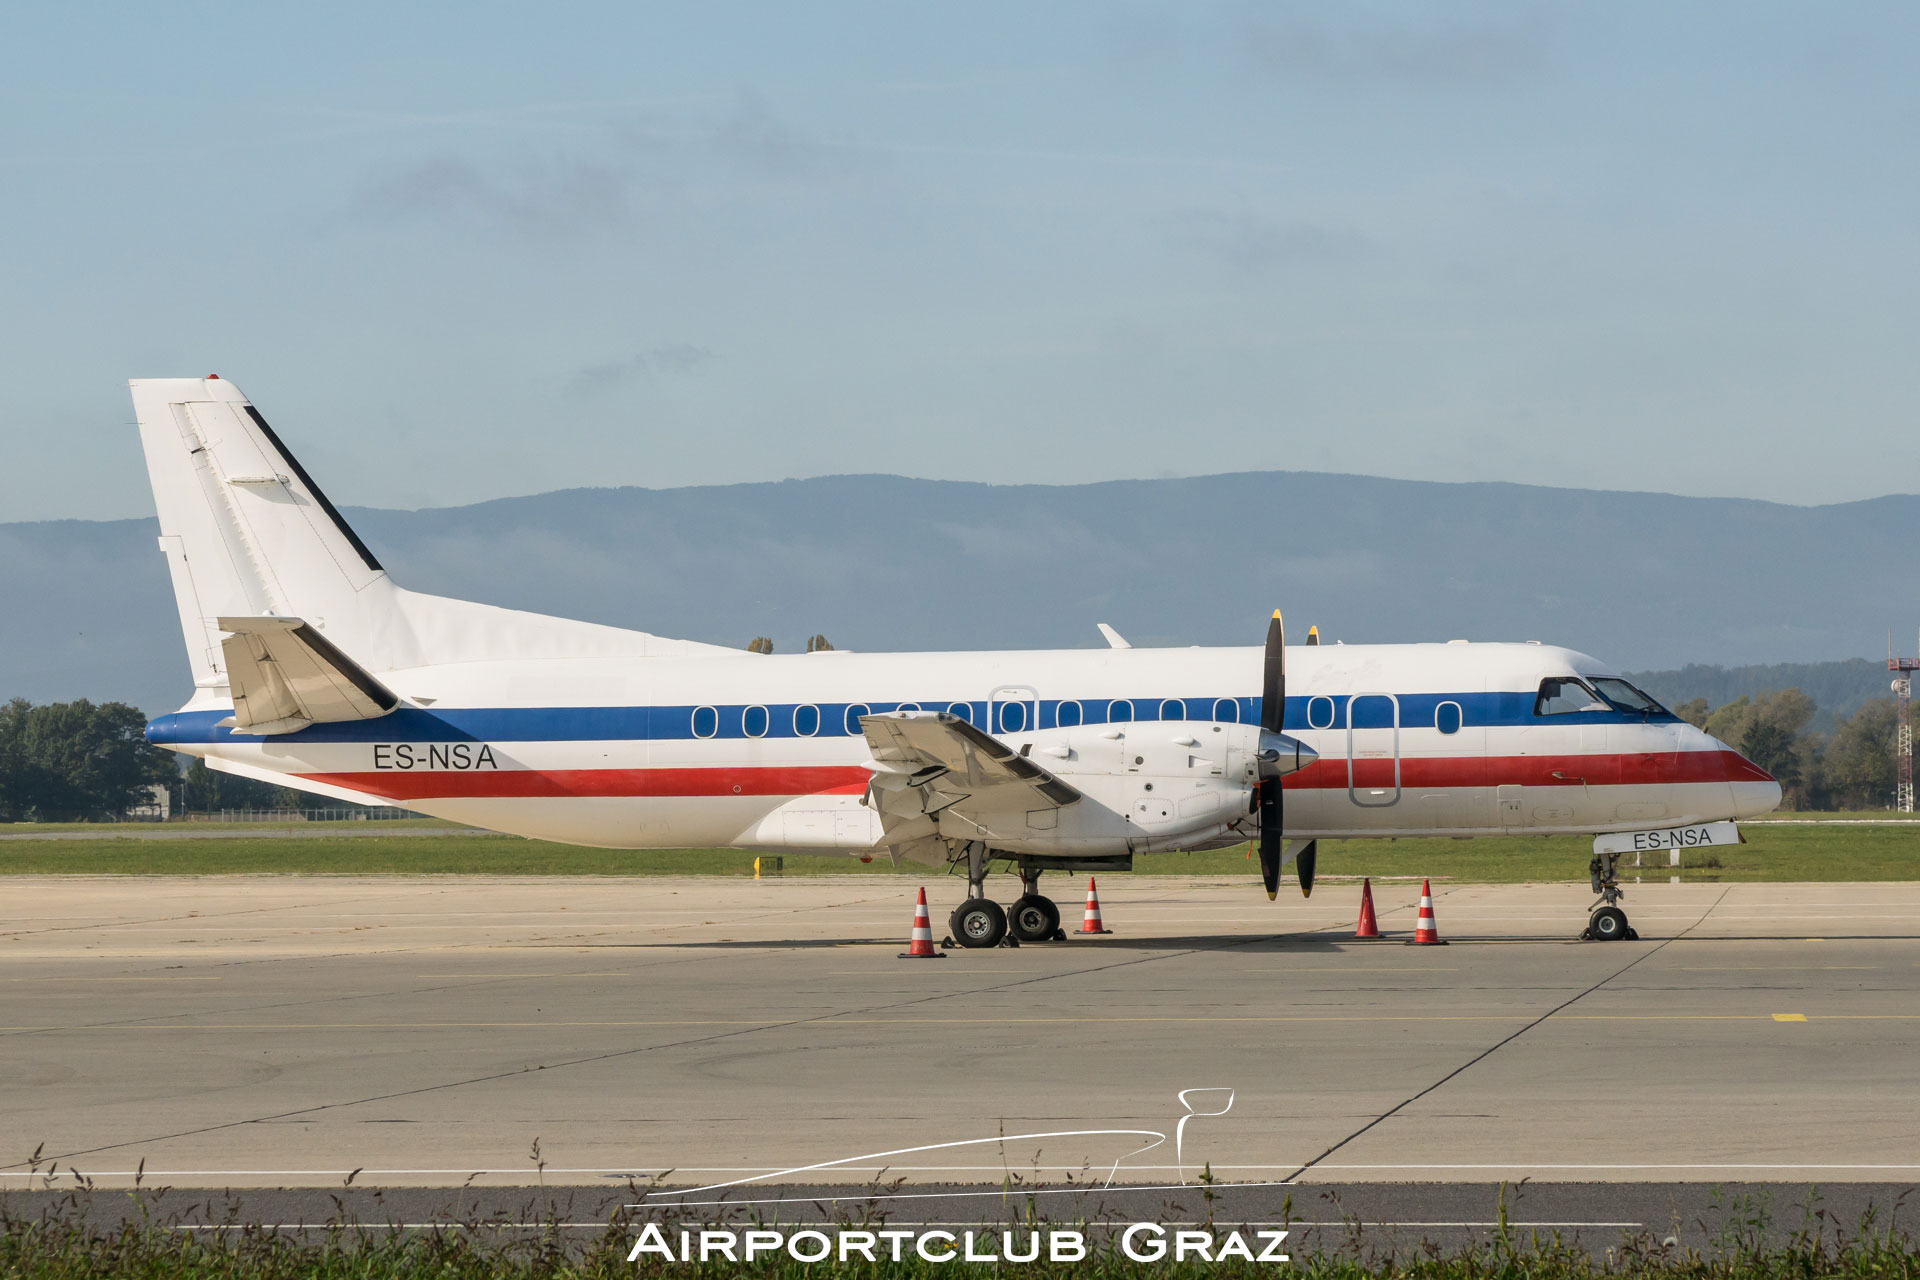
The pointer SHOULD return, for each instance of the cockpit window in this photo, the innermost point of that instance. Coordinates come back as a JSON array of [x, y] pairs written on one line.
[[1564, 695], [1626, 697]]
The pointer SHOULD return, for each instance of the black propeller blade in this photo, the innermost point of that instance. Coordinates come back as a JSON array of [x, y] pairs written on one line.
[[1273, 715], [1304, 866]]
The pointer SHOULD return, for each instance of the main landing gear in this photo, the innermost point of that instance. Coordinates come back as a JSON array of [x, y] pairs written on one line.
[[1606, 922], [981, 922]]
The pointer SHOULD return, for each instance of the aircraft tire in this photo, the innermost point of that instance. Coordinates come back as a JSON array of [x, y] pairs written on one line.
[[979, 922], [1034, 918], [1609, 924]]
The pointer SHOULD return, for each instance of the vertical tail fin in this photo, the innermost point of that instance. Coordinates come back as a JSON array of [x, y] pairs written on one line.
[[248, 534], [246, 531]]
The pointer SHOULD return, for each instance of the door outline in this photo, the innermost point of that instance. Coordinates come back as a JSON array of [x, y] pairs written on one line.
[[1023, 694], [1353, 792]]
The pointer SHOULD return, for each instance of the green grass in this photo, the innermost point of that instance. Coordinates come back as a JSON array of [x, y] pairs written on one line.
[[105, 828], [1793, 852], [54, 1249]]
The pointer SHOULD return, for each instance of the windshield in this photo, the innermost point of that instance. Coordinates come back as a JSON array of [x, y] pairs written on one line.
[[1626, 697], [1563, 695]]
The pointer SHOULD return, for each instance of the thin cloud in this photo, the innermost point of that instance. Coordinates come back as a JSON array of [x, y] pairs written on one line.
[[567, 197], [1250, 244], [680, 358], [1451, 55]]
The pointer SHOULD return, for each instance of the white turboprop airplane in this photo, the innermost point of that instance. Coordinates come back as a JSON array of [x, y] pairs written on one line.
[[313, 669]]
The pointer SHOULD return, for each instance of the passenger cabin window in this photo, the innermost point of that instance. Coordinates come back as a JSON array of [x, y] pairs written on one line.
[[962, 709], [1227, 710], [1066, 715], [1627, 698], [1446, 717], [851, 722], [806, 721], [754, 722], [1119, 711], [706, 722], [1564, 695], [1319, 713], [1173, 709], [1013, 717]]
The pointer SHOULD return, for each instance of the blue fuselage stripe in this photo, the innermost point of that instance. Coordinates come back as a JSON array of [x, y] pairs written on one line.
[[840, 719]]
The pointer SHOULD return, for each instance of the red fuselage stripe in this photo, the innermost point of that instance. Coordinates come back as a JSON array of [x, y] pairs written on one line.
[[798, 780]]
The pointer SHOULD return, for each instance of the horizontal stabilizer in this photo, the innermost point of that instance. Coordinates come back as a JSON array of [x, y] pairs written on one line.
[[285, 676]]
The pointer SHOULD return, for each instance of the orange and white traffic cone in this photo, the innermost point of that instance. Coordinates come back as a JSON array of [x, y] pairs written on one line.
[[1091, 922], [1426, 930], [921, 947], [1369, 927]]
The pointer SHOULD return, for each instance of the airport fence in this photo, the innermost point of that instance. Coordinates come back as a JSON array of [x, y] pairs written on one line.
[[370, 813]]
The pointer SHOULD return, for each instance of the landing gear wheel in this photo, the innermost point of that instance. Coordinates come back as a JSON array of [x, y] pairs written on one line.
[[1609, 924], [979, 922], [1034, 918]]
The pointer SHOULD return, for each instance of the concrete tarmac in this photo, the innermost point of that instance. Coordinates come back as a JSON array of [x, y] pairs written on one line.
[[291, 1031]]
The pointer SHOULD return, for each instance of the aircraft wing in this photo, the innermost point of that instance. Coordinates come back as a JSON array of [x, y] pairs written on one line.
[[285, 676], [929, 763]]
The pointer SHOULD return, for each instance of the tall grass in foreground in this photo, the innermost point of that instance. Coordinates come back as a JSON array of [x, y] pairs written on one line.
[[60, 1246]]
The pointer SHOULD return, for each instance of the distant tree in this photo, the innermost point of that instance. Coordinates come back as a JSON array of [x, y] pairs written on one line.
[[1858, 766], [1694, 713], [761, 644], [64, 761], [1770, 730], [819, 644]]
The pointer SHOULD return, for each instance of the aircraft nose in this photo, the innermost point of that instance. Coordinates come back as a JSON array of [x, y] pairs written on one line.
[[1755, 791]]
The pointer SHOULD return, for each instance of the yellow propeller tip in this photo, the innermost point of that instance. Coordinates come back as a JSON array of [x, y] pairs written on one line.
[[1306, 893], [1276, 613], [1271, 895]]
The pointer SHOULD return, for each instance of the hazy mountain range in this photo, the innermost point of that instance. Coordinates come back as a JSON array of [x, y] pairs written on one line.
[[881, 562]]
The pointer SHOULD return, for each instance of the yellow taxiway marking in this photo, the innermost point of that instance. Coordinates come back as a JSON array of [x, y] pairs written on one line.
[[155, 977], [609, 974], [829, 1020], [1769, 968]]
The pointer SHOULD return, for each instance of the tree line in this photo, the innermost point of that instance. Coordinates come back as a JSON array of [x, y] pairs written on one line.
[[84, 761], [77, 761], [1850, 768]]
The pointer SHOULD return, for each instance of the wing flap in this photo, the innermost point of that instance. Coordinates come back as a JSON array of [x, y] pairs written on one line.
[[285, 675], [944, 754]]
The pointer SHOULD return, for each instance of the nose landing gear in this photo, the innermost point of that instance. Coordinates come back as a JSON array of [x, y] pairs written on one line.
[[1606, 922]]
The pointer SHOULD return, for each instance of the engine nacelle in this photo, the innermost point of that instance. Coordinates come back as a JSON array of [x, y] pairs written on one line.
[[1149, 786]]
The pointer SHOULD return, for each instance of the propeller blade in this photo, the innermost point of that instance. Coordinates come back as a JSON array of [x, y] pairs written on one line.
[[1271, 838], [1304, 865], [1273, 677], [1273, 717]]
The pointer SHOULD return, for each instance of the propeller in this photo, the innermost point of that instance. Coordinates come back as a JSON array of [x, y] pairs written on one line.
[[1303, 867], [1273, 718]]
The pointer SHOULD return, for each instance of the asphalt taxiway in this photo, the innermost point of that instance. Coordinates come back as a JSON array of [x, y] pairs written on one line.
[[263, 1031]]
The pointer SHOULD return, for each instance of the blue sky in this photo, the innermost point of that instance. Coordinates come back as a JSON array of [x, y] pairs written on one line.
[[463, 251]]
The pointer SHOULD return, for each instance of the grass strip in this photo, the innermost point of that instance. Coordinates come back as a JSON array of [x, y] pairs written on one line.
[[1786, 852]]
